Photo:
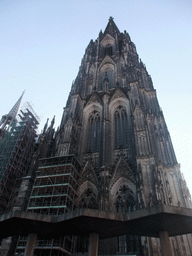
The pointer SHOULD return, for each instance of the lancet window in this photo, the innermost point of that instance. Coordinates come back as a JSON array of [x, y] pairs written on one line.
[[94, 132], [108, 50], [125, 201], [88, 200], [121, 128]]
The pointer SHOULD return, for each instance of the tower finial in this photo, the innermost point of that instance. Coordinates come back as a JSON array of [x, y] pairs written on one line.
[[45, 126], [111, 27]]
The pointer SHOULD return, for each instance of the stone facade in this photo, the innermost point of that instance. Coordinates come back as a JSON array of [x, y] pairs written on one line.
[[113, 124]]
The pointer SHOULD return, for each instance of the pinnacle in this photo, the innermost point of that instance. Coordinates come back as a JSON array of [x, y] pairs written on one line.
[[111, 27]]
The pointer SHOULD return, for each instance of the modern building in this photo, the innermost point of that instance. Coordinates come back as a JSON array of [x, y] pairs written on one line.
[[112, 152]]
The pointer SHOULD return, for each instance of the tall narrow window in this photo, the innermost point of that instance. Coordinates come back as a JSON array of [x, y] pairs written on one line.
[[121, 128], [108, 50], [94, 132]]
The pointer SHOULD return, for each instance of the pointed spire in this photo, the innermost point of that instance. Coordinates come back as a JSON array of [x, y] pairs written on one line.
[[111, 27], [52, 122], [11, 116], [13, 112], [45, 126]]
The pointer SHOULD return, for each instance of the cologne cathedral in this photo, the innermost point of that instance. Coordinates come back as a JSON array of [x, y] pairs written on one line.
[[112, 152]]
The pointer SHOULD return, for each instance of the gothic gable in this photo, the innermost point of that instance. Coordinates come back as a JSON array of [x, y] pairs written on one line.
[[94, 99], [105, 61], [122, 169], [108, 39], [88, 173], [118, 94]]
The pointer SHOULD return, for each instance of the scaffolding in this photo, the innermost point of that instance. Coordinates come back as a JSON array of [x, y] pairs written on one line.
[[54, 193], [16, 149]]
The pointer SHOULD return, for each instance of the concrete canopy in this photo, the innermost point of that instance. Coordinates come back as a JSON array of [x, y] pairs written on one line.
[[145, 222]]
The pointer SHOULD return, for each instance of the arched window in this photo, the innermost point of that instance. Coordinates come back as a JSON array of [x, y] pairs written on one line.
[[109, 69], [125, 201], [121, 128], [88, 200], [94, 132], [108, 50]]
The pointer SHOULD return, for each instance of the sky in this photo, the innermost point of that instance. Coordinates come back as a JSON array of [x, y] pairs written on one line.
[[42, 43]]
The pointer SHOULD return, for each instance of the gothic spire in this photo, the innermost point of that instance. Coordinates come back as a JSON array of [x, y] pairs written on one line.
[[52, 122], [13, 112], [11, 116], [111, 27], [45, 126]]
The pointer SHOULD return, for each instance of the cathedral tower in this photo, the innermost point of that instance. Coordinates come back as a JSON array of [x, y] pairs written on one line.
[[114, 139], [113, 124]]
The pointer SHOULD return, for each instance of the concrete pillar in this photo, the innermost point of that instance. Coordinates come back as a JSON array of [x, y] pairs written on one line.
[[165, 243], [93, 244], [31, 241]]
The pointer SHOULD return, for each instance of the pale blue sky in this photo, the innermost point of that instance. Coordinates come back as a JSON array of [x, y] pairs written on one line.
[[42, 43]]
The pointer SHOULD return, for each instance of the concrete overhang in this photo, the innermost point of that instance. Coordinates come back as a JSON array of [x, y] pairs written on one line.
[[145, 222]]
